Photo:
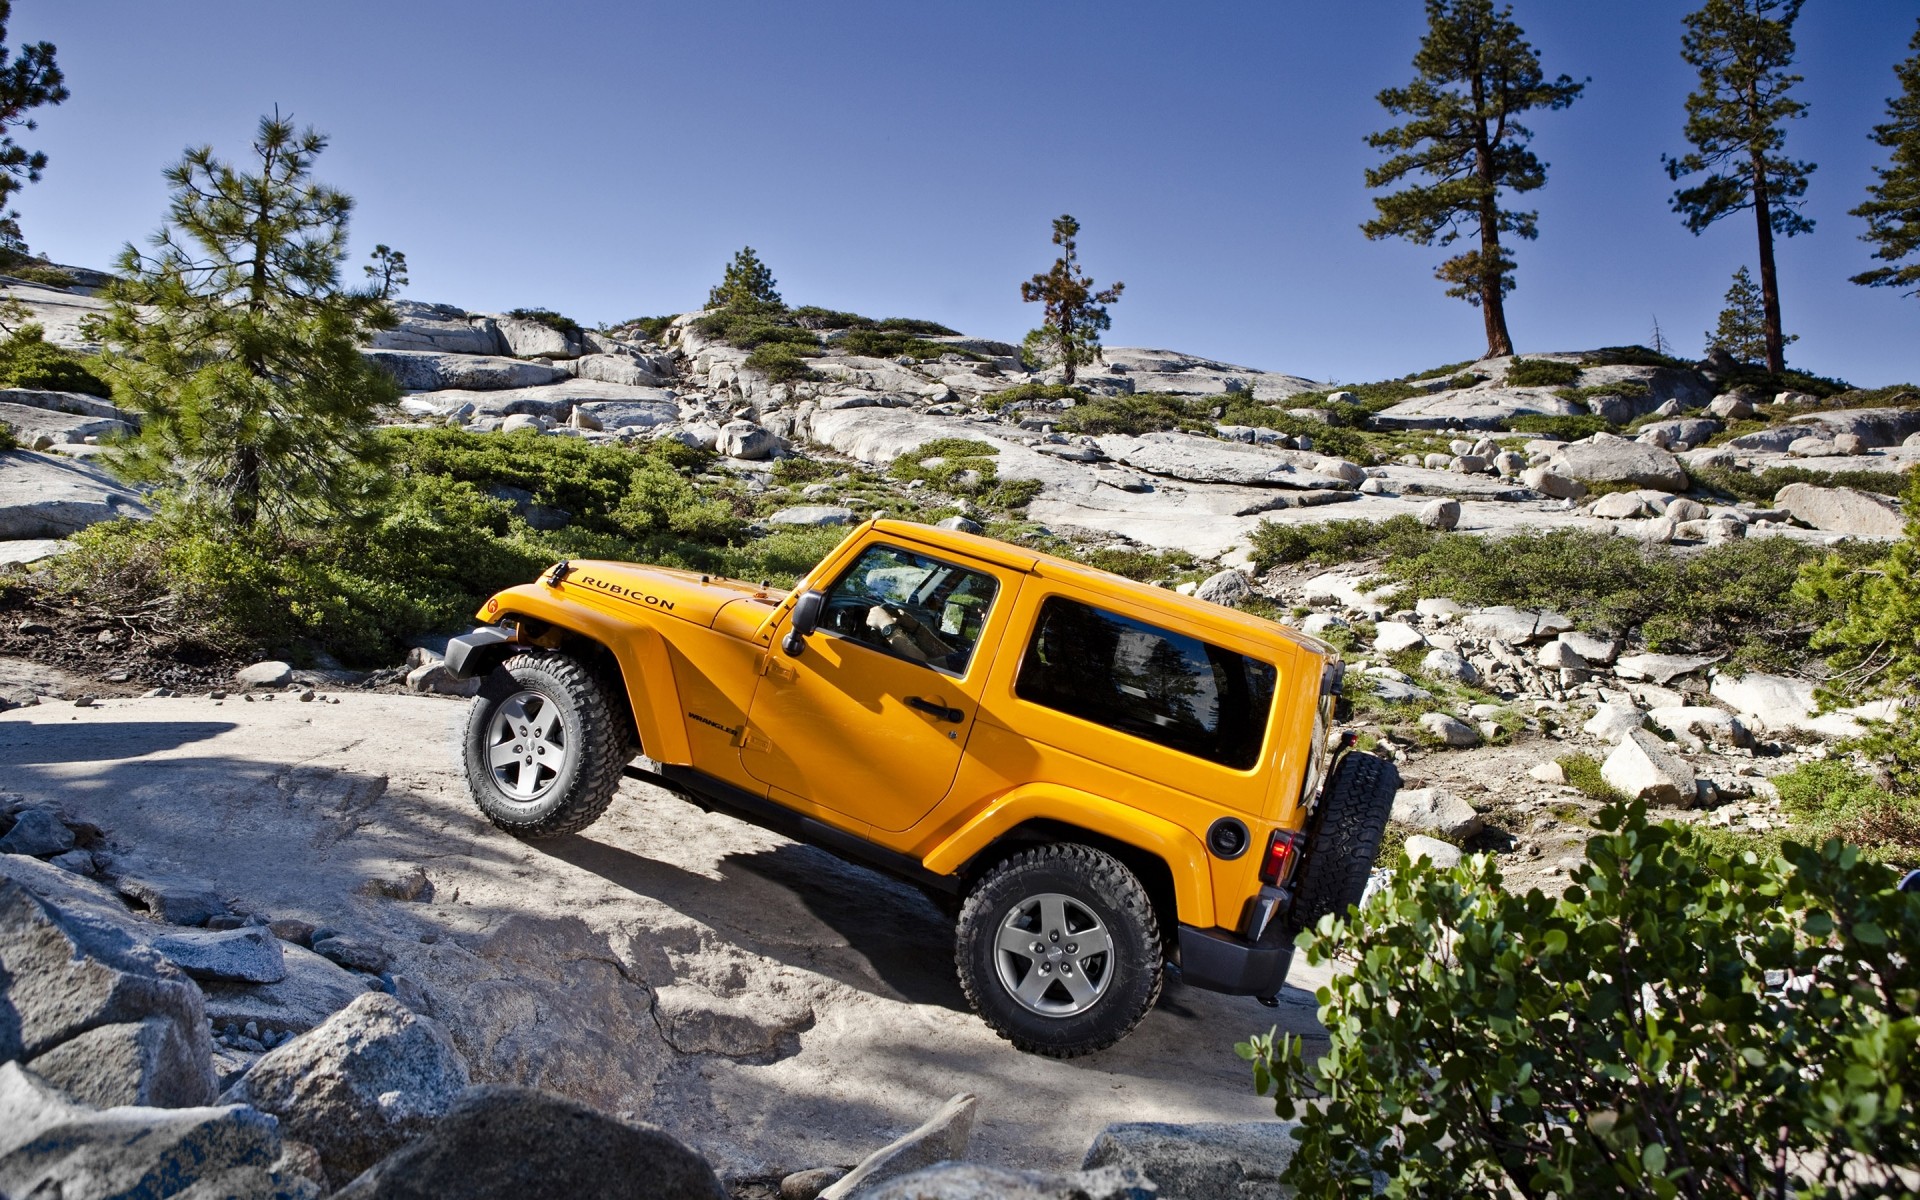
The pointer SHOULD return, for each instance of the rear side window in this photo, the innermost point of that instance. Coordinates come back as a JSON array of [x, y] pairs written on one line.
[[1168, 688]]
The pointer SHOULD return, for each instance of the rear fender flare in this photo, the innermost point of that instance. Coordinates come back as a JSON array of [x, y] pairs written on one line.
[[1183, 853]]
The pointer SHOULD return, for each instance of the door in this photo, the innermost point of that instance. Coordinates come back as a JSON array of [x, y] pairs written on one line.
[[870, 719]]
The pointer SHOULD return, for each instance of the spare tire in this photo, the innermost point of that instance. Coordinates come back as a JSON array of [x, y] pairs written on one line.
[[1343, 838]]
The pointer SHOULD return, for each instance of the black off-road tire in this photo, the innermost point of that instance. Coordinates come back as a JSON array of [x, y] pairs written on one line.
[[1344, 839], [1098, 884], [598, 746]]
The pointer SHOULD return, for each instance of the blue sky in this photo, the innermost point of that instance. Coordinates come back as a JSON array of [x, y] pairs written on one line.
[[605, 159]]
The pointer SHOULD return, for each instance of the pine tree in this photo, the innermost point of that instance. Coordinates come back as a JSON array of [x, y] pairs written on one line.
[[1742, 49], [1742, 331], [1893, 213], [746, 287], [1073, 314], [1465, 144], [28, 80], [238, 346], [1659, 344], [387, 272]]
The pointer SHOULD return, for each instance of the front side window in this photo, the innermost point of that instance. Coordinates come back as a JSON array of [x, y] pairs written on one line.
[[1168, 688], [910, 606]]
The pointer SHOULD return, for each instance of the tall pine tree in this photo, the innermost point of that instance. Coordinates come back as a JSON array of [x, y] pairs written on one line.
[[238, 346], [746, 287], [28, 80], [1464, 144], [1892, 213], [1735, 120], [1742, 329], [1075, 314]]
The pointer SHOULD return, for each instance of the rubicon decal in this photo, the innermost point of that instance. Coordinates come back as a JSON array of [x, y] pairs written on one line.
[[625, 593]]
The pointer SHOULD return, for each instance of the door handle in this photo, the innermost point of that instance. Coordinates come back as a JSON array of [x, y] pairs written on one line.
[[936, 710]]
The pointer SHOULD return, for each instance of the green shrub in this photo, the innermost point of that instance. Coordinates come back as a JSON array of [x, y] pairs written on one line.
[[882, 343], [28, 360], [546, 316], [1146, 566], [1336, 436], [1899, 395], [650, 329], [1631, 356], [1568, 429], [7, 439], [1630, 1038], [783, 362], [1332, 542], [1755, 378], [1583, 773], [1626, 389], [39, 271], [1145, 412], [1368, 397], [1542, 372], [1762, 486], [911, 325], [809, 316], [1830, 798], [1022, 393], [748, 330], [1438, 372]]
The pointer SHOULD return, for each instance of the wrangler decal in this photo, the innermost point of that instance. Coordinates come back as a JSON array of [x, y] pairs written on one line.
[[729, 730]]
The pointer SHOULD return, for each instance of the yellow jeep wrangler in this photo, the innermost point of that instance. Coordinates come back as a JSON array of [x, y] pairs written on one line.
[[1108, 778]]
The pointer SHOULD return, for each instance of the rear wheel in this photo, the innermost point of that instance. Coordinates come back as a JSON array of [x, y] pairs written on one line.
[[545, 747], [1345, 839], [1059, 951]]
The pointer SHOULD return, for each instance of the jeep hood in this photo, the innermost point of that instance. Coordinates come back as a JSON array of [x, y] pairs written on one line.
[[688, 595]]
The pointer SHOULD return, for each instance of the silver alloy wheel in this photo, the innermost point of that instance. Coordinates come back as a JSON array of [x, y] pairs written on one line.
[[527, 747], [1053, 955]]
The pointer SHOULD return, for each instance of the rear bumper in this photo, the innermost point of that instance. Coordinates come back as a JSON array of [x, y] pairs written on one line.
[[1225, 962]]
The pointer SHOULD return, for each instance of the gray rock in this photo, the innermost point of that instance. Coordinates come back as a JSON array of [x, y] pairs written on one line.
[[250, 954], [1550, 481], [813, 515], [63, 975], [1449, 730], [1611, 722], [357, 1087], [1391, 637], [438, 327], [38, 833], [1659, 668], [500, 1143], [1778, 702], [744, 439], [433, 678], [80, 862], [1398, 691], [1842, 510], [1505, 623], [620, 368], [423, 371], [1443, 855], [175, 899], [43, 497], [1731, 408], [632, 414], [1558, 655], [943, 1138], [1643, 768], [531, 339], [1697, 726], [52, 1148], [526, 423], [313, 989], [808, 1184], [1436, 810], [1209, 460], [961, 525], [265, 675], [1447, 664], [1619, 506], [1211, 1159], [1478, 408], [352, 953], [965, 1181], [1590, 647], [1229, 587], [136, 1062], [1440, 514], [1608, 459]]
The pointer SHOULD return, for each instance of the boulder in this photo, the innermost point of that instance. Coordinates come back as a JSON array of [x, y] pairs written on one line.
[[744, 439], [1693, 431], [360, 1085], [1436, 810], [966, 1181], [1243, 1161], [813, 515], [1440, 514], [73, 404], [1228, 587], [1598, 651], [264, 675], [250, 954], [423, 371], [37, 833], [1731, 407], [1608, 459], [1449, 730], [1478, 408], [620, 368], [1619, 506], [502, 1143], [1443, 855], [1551, 481], [351, 953], [1696, 726], [313, 989], [63, 975], [134, 1062], [433, 678], [1613, 721], [1643, 768], [942, 1138], [1448, 664], [52, 1148], [1842, 510], [1659, 668], [438, 327], [1559, 656], [1777, 702], [1210, 460], [616, 415], [175, 899], [31, 423], [43, 497], [960, 525], [532, 339], [1514, 626], [1391, 637]]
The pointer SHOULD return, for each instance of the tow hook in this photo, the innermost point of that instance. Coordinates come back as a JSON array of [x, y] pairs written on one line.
[[1269, 1001]]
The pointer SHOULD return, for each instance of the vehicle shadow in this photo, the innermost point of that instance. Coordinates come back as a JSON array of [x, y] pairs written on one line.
[[23, 744]]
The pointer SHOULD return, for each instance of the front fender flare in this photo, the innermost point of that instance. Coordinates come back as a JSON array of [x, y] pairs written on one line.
[[1183, 852]]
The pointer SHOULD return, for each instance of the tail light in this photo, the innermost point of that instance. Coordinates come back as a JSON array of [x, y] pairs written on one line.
[[1277, 863]]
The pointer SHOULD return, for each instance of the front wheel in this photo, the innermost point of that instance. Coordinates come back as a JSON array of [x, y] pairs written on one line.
[[544, 746], [1059, 950]]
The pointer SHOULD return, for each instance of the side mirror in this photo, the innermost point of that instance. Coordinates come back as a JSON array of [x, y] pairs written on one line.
[[805, 619]]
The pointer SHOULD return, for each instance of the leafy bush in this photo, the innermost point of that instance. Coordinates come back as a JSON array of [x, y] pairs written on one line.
[[950, 458], [1333, 542], [783, 362], [1762, 486], [1144, 412], [1336, 436], [1830, 798], [1624, 388], [1583, 772], [1758, 379], [1631, 356], [1569, 429], [747, 330], [28, 360], [1631, 1038], [35, 270], [1022, 393], [884, 343], [1145, 566], [1899, 395], [1542, 372], [7, 439], [1439, 372], [546, 316], [1367, 397], [650, 329]]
